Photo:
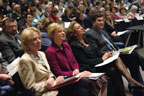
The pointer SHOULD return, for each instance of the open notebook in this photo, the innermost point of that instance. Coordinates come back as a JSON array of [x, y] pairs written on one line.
[[74, 79]]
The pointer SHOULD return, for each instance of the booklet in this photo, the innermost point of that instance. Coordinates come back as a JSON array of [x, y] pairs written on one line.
[[127, 50], [74, 79], [13, 67], [109, 60]]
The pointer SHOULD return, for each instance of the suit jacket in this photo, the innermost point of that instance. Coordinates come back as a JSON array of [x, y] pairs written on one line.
[[87, 57], [9, 48], [94, 38], [34, 75], [62, 62]]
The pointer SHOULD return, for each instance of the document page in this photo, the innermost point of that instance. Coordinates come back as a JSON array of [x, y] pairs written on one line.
[[109, 60]]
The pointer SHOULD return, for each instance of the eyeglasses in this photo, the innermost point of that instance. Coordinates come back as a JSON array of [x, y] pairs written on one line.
[[12, 26]]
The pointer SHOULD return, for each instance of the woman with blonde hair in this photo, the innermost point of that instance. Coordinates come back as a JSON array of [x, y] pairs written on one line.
[[33, 68], [46, 42], [16, 12], [62, 62], [110, 29]]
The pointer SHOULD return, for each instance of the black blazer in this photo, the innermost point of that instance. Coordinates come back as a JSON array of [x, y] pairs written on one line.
[[9, 48], [87, 57], [94, 38]]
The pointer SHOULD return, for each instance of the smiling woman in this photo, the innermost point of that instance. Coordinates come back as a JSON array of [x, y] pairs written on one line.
[[33, 68], [62, 62]]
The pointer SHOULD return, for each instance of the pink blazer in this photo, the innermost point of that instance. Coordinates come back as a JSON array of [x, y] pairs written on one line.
[[62, 62]]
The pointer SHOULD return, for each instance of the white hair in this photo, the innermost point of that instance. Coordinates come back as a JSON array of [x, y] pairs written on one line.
[[134, 7]]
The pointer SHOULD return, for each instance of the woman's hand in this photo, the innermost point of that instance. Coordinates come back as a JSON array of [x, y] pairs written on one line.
[[75, 72], [49, 83], [85, 73], [59, 79], [107, 55], [114, 34]]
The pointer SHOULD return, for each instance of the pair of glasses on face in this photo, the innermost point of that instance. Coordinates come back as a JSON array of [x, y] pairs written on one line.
[[12, 26]]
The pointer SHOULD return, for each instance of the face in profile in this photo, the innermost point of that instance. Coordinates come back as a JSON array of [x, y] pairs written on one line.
[[35, 43], [79, 30], [59, 34]]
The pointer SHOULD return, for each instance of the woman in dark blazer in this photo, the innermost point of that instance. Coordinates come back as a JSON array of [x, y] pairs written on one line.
[[88, 57], [110, 29]]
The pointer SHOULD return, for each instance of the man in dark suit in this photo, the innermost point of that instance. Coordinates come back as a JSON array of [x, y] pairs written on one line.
[[9, 42], [10, 48], [104, 44], [95, 36]]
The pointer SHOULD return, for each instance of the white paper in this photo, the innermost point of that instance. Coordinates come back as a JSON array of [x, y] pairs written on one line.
[[95, 76], [109, 60], [123, 32], [119, 20], [139, 17], [126, 20], [13, 67], [66, 24]]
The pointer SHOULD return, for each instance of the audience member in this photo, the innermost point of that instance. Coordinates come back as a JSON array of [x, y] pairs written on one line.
[[9, 41], [46, 42], [47, 12], [84, 51], [33, 68], [62, 62], [53, 15], [36, 18], [39, 10], [67, 15], [133, 12], [2, 8], [88, 20], [28, 17], [110, 28], [60, 8], [122, 14], [97, 37], [16, 14]]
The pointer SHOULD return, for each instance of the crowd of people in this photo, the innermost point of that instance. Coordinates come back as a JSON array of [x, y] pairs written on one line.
[[62, 38]]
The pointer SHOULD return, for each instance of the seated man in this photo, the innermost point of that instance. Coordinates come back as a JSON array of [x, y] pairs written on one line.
[[97, 37], [10, 45]]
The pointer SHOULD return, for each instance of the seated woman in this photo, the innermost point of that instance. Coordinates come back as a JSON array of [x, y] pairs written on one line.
[[33, 69], [122, 14], [88, 57], [110, 29], [62, 62], [46, 42], [133, 12]]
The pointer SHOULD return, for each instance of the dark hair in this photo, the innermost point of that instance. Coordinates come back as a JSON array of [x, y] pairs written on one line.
[[7, 20], [26, 14], [97, 15]]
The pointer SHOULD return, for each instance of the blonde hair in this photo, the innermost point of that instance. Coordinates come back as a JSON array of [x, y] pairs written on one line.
[[70, 31], [109, 22], [27, 35], [52, 28], [45, 23]]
